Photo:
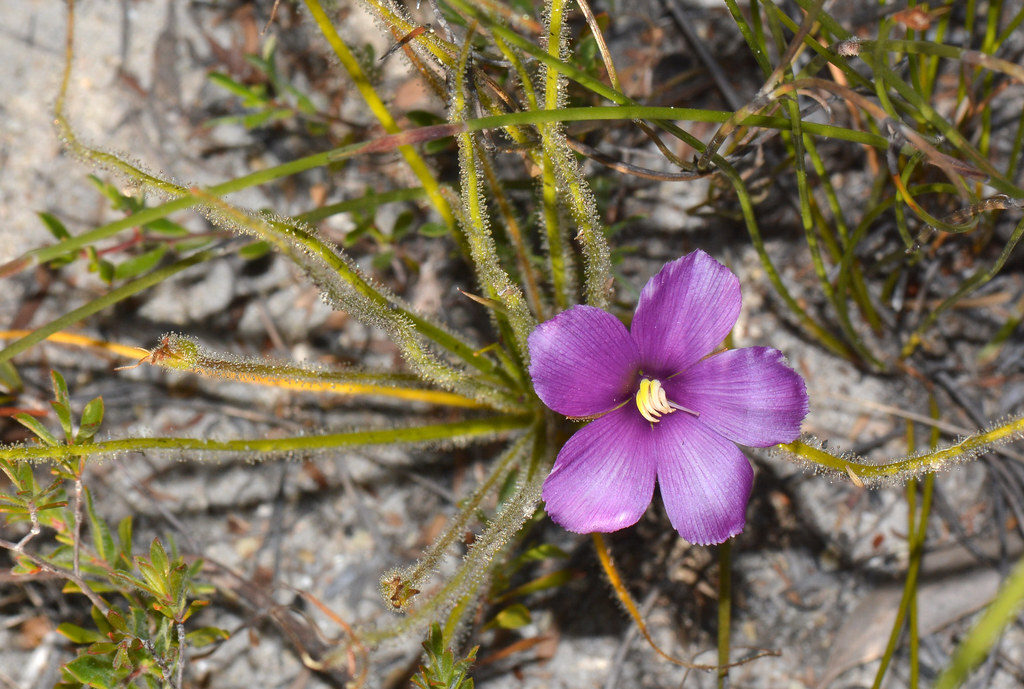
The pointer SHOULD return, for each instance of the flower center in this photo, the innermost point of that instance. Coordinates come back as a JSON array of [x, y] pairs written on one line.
[[653, 403]]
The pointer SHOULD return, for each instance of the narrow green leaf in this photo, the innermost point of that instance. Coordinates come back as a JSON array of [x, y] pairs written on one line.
[[38, 429], [158, 556], [244, 92], [382, 260], [155, 580], [255, 250], [117, 199], [424, 118], [25, 567], [226, 120], [433, 229], [116, 621], [124, 535], [129, 581], [64, 417], [177, 581], [100, 621], [102, 540], [303, 102], [439, 145], [551, 580], [94, 671], [121, 659], [1001, 612], [543, 551], [61, 402], [258, 119], [55, 226], [14, 505], [204, 636], [136, 265], [92, 418], [403, 223], [10, 381], [101, 648], [512, 617], [105, 269], [166, 227], [79, 635]]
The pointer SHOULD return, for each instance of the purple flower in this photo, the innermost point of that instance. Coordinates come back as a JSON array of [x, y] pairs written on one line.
[[665, 410]]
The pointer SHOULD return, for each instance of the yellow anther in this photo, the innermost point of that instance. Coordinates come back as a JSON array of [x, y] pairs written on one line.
[[652, 401]]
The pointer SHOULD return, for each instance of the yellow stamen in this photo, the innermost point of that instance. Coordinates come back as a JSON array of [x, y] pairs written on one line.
[[653, 403]]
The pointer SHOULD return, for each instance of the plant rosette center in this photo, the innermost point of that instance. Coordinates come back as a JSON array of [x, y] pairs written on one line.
[[666, 408]]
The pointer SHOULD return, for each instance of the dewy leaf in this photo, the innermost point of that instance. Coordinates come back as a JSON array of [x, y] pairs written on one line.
[[184, 354]]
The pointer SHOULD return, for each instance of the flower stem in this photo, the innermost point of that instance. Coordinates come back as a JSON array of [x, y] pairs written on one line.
[[624, 596], [905, 468], [724, 612]]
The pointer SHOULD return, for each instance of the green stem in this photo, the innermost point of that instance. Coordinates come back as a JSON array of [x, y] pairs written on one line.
[[390, 142], [906, 468], [276, 447]]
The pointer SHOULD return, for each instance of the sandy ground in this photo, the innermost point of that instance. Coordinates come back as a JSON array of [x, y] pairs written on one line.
[[817, 572]]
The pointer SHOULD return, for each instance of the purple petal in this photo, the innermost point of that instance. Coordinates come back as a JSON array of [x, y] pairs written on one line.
[[750, 395], [704, 480], [684, 312], [603, 480], [582, 361]]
